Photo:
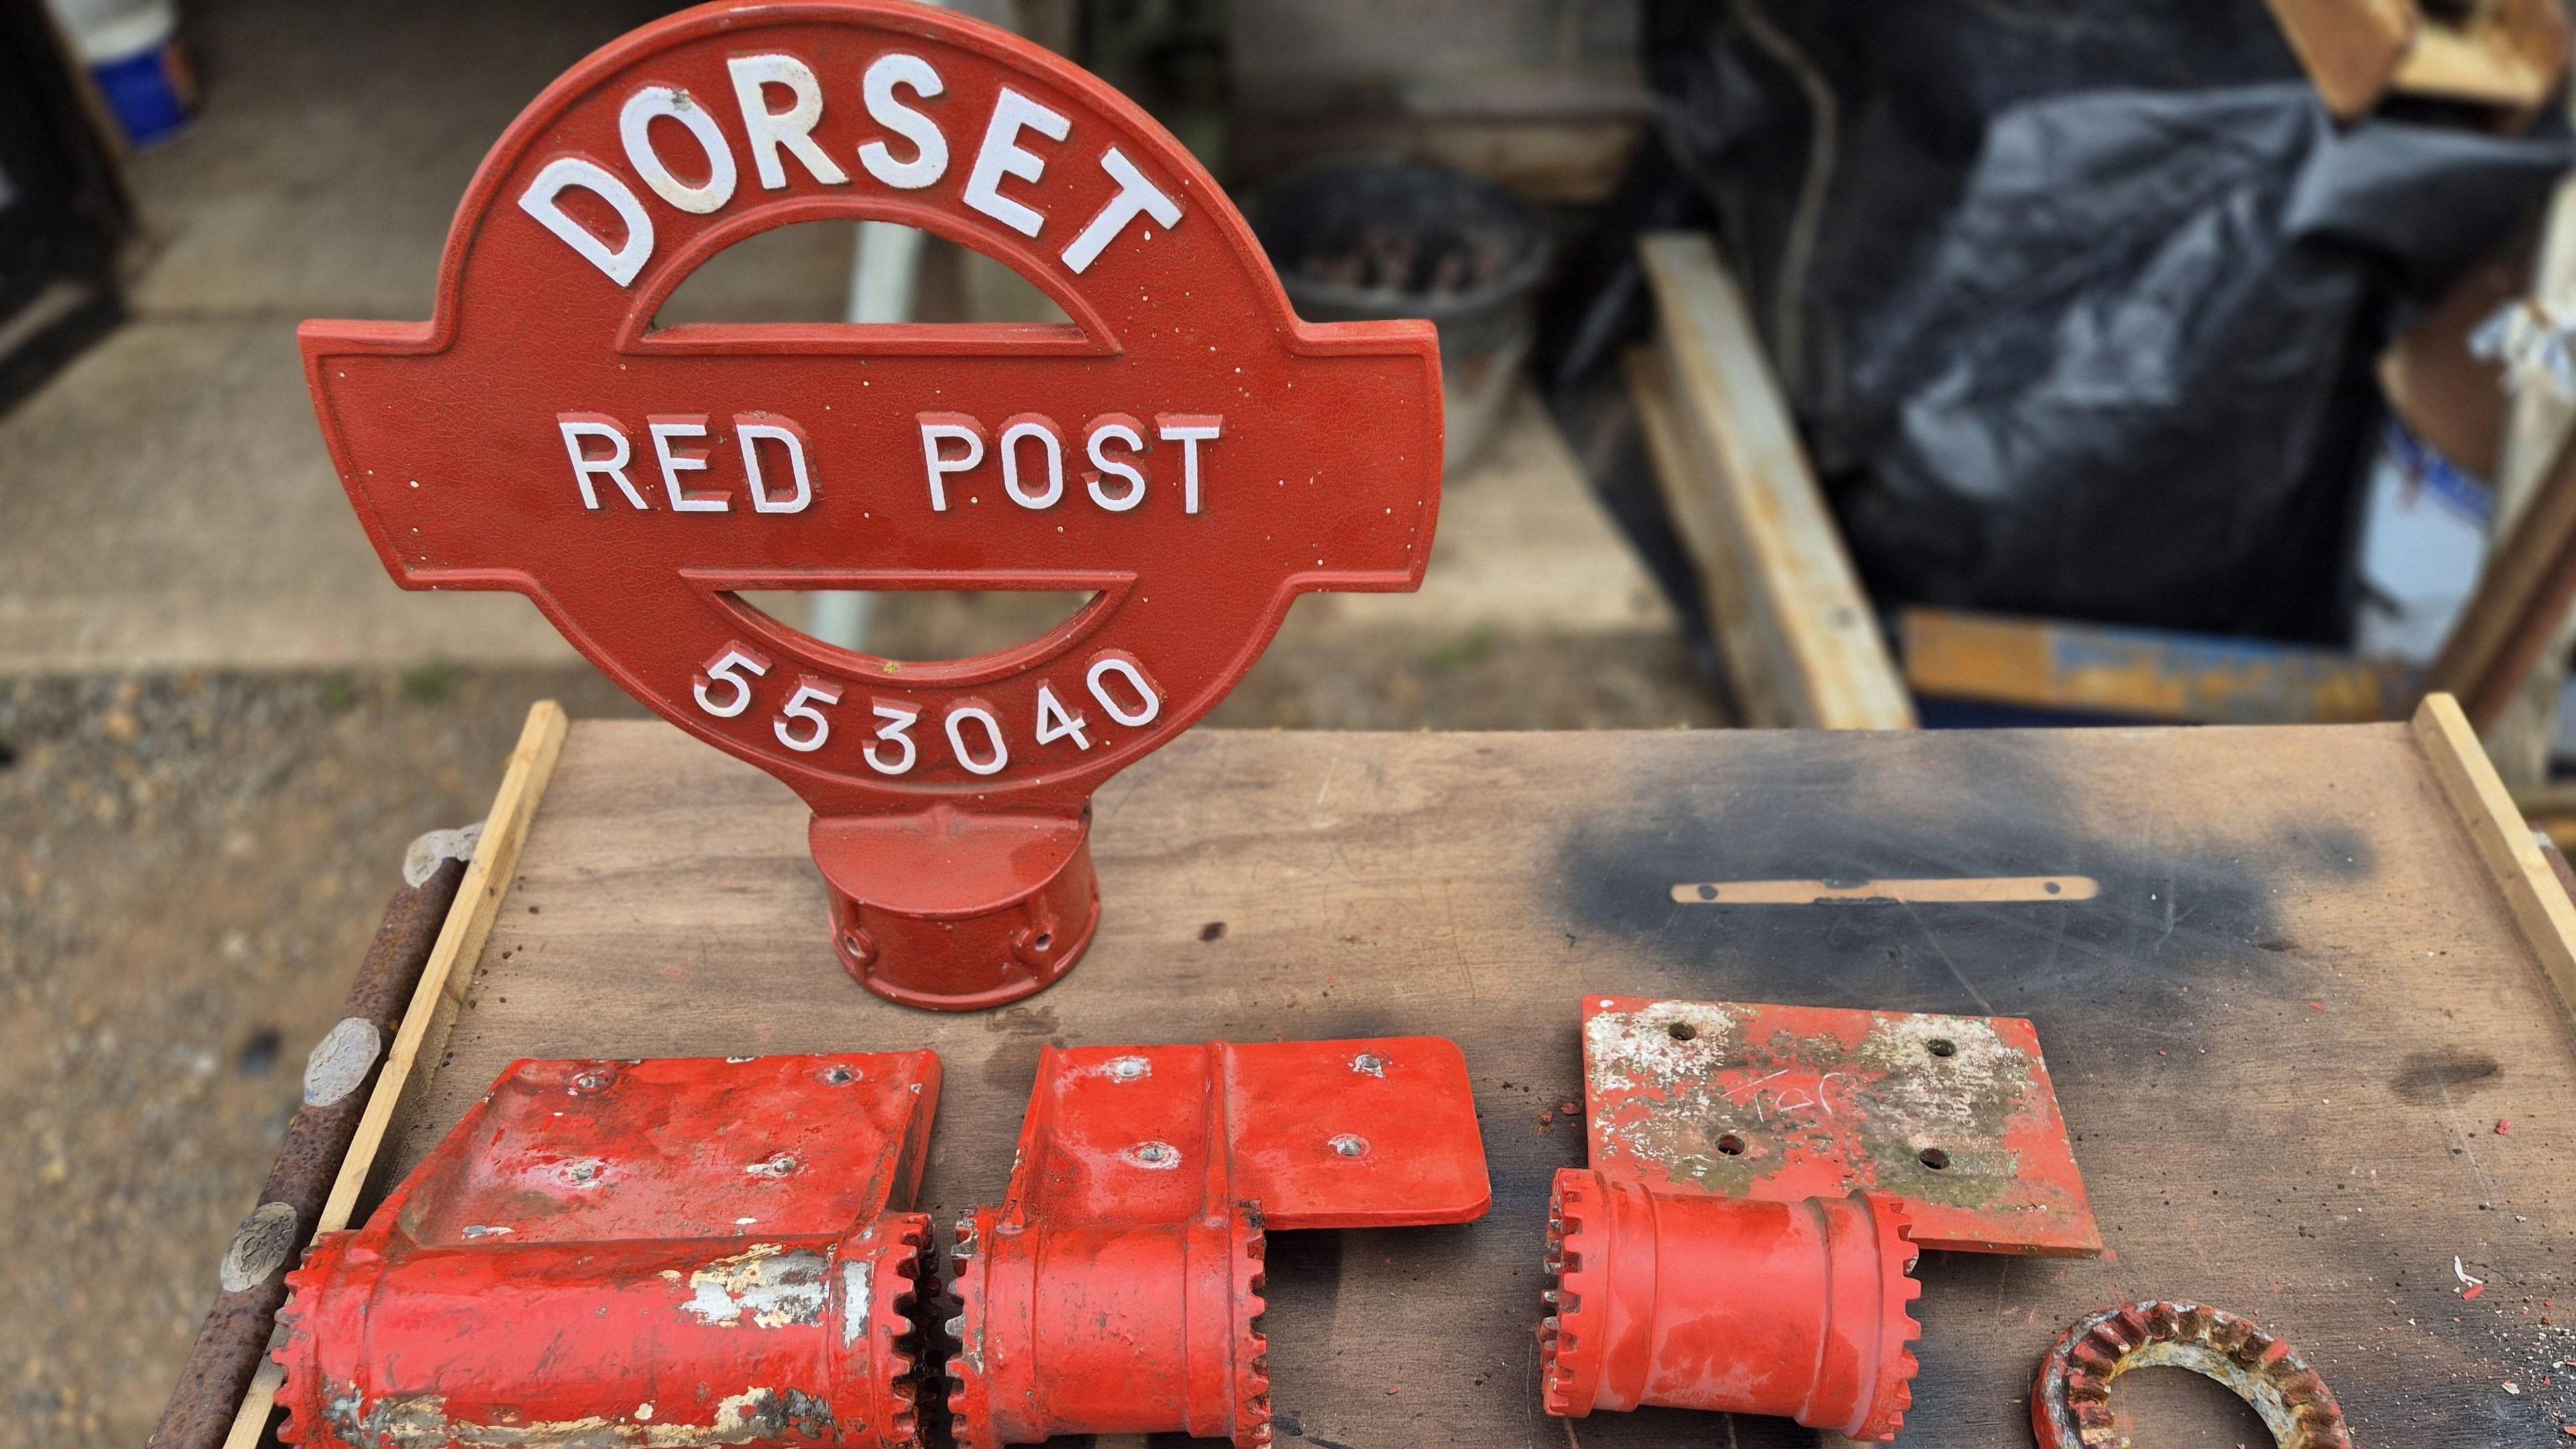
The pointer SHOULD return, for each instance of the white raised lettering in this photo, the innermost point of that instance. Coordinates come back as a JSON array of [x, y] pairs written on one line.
[[1002, 155], [1109, 664], [1114, 428], [765, 130], [1136, 197], [1055, 722], [1189, 430], [676, 461], [897, 719], [1000, 753], [800, 707], [542, 200], [929, 148], [735, 668], [938, 428], [612, 467], [634, 123], [1018, 430], [750, 434]]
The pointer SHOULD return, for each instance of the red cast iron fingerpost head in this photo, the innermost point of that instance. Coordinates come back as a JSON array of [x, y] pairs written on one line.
[[1741, 1155], [1183, 446], [681, 1252], [1116, 1288]]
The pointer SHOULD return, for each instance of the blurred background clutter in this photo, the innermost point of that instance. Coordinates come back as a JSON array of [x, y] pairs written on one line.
[[1808, 362]]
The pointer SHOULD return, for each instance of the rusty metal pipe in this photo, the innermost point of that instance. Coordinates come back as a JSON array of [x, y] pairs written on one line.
[[251, 1282]]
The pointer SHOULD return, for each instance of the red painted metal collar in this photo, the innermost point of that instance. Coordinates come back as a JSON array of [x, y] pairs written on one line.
[[1116, 1288], [633, 1252]]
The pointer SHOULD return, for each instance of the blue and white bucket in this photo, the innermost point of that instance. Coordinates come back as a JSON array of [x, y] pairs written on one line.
[[131, 49]]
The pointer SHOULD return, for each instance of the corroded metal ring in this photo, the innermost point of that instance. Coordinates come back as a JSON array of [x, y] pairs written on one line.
[[2070, 1406]]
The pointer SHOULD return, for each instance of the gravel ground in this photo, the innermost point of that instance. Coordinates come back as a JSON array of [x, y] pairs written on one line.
[[191, 867]]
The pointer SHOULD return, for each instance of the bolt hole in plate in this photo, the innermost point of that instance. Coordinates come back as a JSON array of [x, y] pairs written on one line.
[[1954, 1115]]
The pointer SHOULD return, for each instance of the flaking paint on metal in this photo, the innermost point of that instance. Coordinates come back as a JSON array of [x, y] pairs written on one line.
[[422, 1421], [766, 1285], [856, 1292], [1954, 1114]]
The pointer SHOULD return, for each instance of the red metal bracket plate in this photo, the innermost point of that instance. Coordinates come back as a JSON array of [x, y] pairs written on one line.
[[633, 1252], [1954, 1116], [1184, 446], [1115, 1288]]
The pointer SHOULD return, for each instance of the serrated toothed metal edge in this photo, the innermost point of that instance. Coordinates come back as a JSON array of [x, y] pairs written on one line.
[[294, 1345], [1566, 1334], [968, 1396], [1895, 1227], [2070, 1402], [912, 1261], [1252, 1347]]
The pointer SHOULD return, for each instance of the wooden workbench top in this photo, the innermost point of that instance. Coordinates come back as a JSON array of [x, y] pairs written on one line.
[[2287, 1034]]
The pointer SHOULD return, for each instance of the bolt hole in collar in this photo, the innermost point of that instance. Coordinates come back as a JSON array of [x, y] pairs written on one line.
[[2070, 1405], [1184, 447]]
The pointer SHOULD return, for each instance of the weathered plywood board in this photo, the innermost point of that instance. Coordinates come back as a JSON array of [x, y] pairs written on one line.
[[2284, 1027]]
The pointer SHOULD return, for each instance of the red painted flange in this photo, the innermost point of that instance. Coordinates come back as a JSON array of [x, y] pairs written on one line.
[[667, 1252], [1183, 447], [1116, 1289]]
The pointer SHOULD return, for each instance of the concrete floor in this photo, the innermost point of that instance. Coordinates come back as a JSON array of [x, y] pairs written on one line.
[[220, 723]]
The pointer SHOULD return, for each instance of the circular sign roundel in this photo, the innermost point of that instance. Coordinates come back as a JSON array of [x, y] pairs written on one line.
[[1182, 447]]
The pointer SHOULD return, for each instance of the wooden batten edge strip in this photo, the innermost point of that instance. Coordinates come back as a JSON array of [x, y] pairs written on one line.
[[433, 1001], [1799, 568], [2540, 907]]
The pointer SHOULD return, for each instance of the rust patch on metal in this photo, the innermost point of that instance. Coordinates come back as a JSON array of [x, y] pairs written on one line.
[[2070, 1406], [1954, 1115]]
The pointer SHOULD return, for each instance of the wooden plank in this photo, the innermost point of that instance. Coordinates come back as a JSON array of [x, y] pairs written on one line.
[[2142, 673], [1690, 492], [2509, 54], [2283, 1027], [2521, 603], [1823, 655], [412, 1062], [2535, 427], [2350, 48], [2505, 843]]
